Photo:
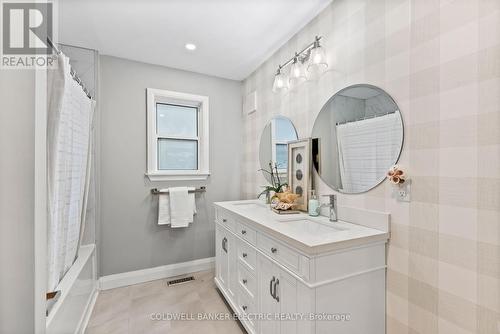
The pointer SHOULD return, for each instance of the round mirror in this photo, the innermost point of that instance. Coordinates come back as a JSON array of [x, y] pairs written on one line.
[[357, 137], [274, 145]]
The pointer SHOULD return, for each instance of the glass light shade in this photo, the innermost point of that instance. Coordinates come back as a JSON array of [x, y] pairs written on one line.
[[317, 62], [280, 82], [297, 73]]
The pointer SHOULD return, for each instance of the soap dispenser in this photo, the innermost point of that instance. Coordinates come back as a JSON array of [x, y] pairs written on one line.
[[313, 205]]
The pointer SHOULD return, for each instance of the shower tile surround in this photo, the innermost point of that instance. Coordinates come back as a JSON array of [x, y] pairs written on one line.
[[440, 61]]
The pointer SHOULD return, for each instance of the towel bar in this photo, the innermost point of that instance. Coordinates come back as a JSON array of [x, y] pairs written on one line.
[[155, 191]]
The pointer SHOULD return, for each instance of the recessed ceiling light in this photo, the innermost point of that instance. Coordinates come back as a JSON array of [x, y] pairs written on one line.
[[190, 46]]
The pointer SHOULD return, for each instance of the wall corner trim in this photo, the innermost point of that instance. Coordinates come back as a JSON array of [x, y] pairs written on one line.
[[151, 274]]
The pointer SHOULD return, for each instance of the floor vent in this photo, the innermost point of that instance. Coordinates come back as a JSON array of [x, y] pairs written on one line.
[[180, 280]]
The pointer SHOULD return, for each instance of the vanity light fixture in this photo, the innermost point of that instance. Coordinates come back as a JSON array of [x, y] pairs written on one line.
[[280, 81], [190, 46], [308, 64], [297, 73], [317, 60]]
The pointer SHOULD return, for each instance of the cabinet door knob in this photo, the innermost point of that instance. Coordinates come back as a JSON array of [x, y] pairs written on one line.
[[244, 307], [224, 220], [244, 281], [274, 250], [243, 232], [244, 254]]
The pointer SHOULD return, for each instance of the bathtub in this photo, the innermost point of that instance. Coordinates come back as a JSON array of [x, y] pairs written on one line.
[[79, 289]]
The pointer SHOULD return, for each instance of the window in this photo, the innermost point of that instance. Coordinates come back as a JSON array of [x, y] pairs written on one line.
[[282, 132], [177, 136]]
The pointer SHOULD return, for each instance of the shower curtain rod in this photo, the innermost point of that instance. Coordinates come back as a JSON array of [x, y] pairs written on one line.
[[364, 118], [71, 71]]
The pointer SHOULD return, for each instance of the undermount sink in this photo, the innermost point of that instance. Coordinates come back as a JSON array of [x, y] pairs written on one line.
[[306, 225], [250, 205]]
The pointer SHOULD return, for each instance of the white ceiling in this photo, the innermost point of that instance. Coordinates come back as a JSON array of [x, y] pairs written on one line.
[[233, 37]]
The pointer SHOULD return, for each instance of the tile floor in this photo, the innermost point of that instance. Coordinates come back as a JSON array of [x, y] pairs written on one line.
[[128, 309]]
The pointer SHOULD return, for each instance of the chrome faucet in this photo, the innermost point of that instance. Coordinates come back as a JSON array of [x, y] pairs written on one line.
[[333, 207]]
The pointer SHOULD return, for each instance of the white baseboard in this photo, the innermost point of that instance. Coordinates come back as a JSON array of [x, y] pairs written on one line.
[[151, 274]]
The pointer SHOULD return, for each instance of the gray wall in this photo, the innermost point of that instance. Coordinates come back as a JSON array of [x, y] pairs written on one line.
[[17, 139], [130, 238]]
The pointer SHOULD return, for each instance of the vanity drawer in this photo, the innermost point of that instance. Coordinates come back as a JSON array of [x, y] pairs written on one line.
[[247, 281], [247, 306], [246, 233], [281, 253], [224, 218], [247, 254]]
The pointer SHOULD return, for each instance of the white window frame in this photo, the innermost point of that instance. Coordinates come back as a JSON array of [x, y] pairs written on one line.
[[155, 96], [275, 142]]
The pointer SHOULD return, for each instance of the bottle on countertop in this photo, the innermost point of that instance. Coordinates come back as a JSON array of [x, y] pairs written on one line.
[[313, 205]]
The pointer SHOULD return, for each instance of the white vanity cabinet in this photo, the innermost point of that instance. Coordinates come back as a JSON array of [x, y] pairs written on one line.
[[226, 260], [277, 295], [282, 278]]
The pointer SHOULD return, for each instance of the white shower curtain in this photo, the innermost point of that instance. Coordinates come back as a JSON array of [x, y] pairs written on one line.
[[69, 128], [367, 148]]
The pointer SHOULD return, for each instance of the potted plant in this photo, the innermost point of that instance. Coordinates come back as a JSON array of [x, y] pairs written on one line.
[[276, 186]]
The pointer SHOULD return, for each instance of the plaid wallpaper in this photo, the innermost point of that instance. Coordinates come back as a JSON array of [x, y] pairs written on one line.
[[440, 61]]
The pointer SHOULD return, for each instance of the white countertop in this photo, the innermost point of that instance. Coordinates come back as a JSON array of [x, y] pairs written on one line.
[[311, 235]]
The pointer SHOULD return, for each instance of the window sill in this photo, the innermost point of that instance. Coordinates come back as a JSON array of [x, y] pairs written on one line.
[[178, 177]]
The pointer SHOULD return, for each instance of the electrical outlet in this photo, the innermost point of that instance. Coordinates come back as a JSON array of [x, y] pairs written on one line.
[[403, 192]]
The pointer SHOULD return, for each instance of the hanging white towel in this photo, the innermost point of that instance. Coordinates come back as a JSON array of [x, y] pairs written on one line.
[[163, 209], [181, 207], [192, 199], [164, 205]]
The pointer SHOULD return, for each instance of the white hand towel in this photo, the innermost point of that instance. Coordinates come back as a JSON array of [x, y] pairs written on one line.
[[163, 208], [164, 205], [192, 198], [181, 207]]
